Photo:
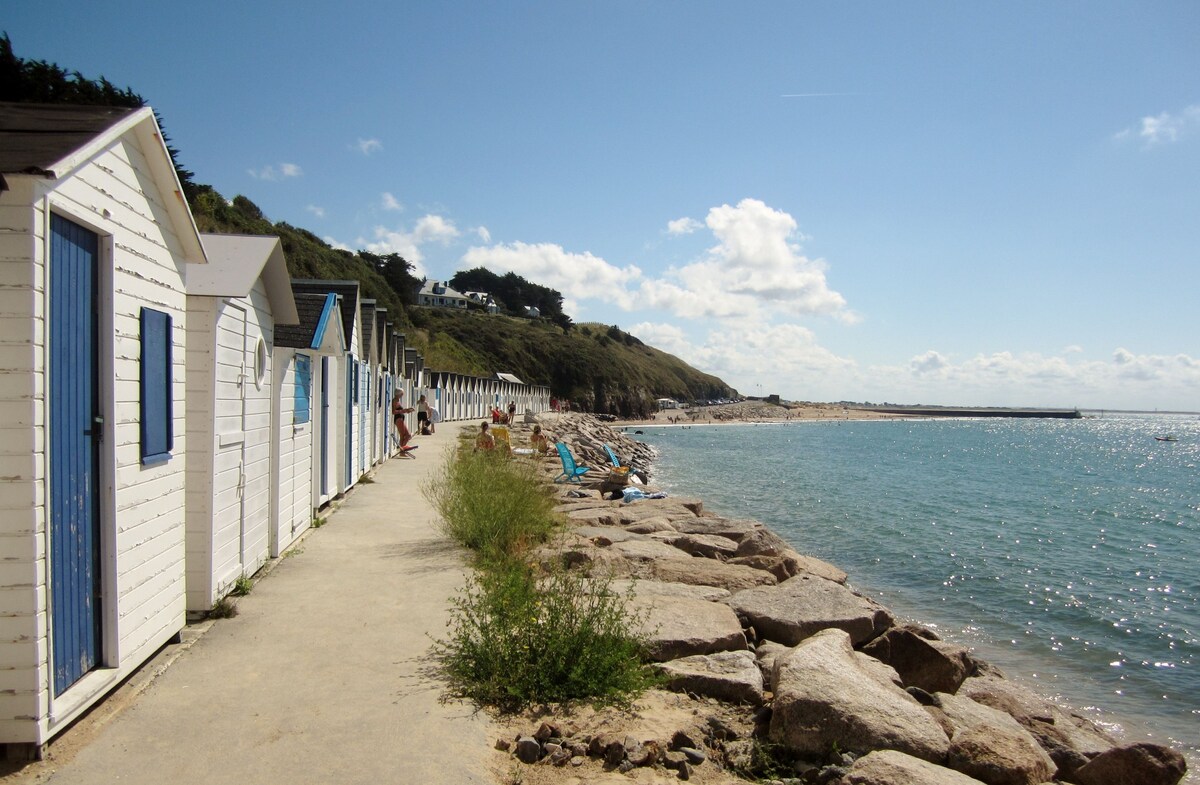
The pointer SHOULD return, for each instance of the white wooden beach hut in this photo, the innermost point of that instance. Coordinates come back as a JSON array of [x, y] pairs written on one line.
[[298, 406], [94, 238], [344, 379], [234, 303], [371, 387]]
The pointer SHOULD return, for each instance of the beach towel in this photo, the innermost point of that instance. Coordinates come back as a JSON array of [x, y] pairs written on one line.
[[633, 494]]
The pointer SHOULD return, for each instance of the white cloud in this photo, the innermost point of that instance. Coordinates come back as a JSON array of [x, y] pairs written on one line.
[[434, 227], [576, 275], [683, 226], [338, 244], [272, 174], [407, 243], [483, 234], [1163, 128], [755, 265], [368, 146], [929, 362], [315, 210], [390, 202]]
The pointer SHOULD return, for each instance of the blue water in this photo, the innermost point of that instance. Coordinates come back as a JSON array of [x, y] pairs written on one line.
[[1066, 552]]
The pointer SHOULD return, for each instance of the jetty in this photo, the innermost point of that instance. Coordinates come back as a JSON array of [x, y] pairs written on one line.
[[971, 411]]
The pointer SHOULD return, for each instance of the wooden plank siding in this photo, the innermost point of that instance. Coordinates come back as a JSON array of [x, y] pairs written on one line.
[[114, 194]]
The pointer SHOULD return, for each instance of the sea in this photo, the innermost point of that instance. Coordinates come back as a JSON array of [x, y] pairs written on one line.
[[1065, 552]]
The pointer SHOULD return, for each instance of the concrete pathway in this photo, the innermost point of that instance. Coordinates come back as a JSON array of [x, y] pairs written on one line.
[[322, 677]]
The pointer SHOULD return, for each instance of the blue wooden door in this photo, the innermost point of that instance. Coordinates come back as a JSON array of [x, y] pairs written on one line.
[[75, 429]]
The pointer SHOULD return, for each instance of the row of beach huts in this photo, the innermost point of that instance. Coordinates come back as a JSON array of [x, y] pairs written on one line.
[[175, 407]]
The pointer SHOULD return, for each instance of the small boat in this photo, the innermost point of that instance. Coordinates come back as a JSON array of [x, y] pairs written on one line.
[[1167, 438]]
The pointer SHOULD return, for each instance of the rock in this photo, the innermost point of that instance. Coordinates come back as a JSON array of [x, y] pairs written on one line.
[[932, 665], [671, 508], [545, 732], [648, 550], [708, 545], [961, 713], [824, 698], [504, 745], [1133, 764], [1070, 740], [645, 754], [681, 738], [890, 767], [595, 516], [667, 589], [528, 749], [780, 566], [694, 756], [674, 759], [731, 676], [999, 754], [766, 653], [609, 534], [798, 607], [814, 566], [709, 572], [721, 527], [651, 525], [762, 542], [677, 626]]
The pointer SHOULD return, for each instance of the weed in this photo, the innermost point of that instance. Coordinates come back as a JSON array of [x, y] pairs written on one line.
[[241, 587], [292, 552], [223, 609], [517, 637], [318, 522], [495, 507]]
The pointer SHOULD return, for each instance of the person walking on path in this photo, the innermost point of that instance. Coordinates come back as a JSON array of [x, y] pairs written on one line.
[[512, 413]]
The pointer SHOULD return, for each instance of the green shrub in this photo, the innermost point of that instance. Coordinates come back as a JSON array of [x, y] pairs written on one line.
[[517, 638], [493, 506]]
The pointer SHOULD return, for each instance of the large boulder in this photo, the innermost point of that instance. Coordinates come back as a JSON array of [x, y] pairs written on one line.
[[676, 626], [711, 546], [649, 550], [708, 572], [1133, 764], [999, 754], [801, 606], [721, 527], [663, 588], [921, 659], [731, 676], [825, 698], [889, 767], [1070, 740]]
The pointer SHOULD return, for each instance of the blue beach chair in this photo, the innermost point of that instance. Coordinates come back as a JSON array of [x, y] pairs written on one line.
[[612, 456], [570, 472]]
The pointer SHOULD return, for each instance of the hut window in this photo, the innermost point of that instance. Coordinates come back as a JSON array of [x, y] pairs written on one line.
[[158, 433], [303, 390], [260, 362]]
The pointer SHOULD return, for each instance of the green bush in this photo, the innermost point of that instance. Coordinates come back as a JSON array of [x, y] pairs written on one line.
[[495, 507], [518, 638]]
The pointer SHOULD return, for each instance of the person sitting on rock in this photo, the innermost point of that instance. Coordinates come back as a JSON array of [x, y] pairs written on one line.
[[485, 440], [539, 442]]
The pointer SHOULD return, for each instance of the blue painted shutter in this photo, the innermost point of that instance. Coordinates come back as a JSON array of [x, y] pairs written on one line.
[[303, 393], [158, 436]]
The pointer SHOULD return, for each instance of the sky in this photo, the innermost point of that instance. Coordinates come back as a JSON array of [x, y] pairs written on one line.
[[971, 204]]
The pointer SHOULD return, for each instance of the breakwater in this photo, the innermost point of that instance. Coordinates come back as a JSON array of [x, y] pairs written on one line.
[[953, 411], [795, 620]]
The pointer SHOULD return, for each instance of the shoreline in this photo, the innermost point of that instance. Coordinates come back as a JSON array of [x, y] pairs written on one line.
[[1127, 727], [622, 438]]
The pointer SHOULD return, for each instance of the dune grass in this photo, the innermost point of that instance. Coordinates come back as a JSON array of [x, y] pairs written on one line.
[[521, 634]]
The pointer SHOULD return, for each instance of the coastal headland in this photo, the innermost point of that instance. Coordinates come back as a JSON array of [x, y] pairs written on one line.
[[775, 668]]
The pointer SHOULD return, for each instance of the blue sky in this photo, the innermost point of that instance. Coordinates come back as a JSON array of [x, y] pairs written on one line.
[[936, 202]]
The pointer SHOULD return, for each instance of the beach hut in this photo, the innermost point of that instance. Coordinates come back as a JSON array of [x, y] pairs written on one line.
[[343, 379], [95, 242], [300, 402], [234, 302]]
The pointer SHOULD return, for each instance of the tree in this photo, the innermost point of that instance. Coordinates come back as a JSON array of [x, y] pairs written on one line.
[[397, 271]]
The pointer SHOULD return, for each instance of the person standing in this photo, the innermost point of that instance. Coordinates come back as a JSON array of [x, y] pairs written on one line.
[[423, 423], [512, 413], [398, 412]]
